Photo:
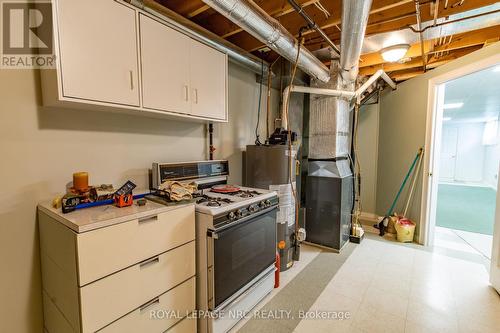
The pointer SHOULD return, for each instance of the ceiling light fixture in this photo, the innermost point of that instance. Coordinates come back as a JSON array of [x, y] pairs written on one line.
[[453, 105], [395, 52]]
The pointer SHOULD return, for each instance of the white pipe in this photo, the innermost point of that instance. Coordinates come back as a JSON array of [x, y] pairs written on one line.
[[378, 74], [348, 95], [310, 90], [326, 92]]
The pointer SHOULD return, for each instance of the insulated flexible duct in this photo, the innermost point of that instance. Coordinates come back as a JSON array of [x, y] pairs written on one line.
[[354, 20], [254, 20]]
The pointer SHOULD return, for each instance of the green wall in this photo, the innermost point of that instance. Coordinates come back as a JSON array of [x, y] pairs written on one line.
[[402, 131]]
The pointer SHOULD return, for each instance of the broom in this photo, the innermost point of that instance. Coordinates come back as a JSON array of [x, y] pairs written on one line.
[[384, 222]]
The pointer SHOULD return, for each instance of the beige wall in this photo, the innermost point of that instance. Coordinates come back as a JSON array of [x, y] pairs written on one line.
[[403, 128], [41, 148], [367, 154]]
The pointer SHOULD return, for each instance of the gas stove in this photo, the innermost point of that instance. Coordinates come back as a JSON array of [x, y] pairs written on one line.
[[214, 203]]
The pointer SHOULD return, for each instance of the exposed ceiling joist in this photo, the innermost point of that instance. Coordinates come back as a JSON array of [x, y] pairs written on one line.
[[405, 12], [469, 39], [385, 16], [417, 62], [223, 27], [406, 75], [198, 11]]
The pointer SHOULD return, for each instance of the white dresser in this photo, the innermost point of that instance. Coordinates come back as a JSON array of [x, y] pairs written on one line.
[[108, 269]]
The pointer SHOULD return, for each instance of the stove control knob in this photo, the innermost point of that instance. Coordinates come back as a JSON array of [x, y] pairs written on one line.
[[262, 204], [231, 216], [239, 213], [268, 203], [253, 208]]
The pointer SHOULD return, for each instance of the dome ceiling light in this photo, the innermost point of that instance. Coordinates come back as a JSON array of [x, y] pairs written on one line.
[[394, 53]]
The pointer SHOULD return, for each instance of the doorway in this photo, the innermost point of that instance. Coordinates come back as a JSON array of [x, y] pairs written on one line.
[[466, 162]]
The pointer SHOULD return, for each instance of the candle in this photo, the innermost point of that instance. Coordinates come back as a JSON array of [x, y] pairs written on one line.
[[81, 181]]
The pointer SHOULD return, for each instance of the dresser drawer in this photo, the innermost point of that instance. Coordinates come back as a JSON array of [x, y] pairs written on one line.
[[187, 325], [110, 298], [104, 251], [156, 315]]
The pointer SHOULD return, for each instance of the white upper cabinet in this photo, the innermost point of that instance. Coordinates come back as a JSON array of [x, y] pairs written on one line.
[[180, 74], [113, 56], [165, 67], [208, 81], [98, 51]]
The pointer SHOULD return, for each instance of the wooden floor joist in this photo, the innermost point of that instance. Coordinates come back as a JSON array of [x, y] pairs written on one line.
[[385, 16]]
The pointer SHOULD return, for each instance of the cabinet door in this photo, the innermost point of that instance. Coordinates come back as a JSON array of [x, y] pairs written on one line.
[[208, 81], [98, 50], [165, 67]]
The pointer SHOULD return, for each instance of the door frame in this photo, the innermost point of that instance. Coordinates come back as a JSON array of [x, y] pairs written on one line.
[[432, 143]]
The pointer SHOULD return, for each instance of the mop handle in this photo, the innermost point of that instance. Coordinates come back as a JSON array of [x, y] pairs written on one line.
[[412, 188], [390, 211]]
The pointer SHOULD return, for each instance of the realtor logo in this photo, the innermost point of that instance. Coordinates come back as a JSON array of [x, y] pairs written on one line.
[[27, 34]]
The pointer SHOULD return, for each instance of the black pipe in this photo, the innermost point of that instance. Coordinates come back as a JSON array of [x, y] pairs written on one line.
[[211, 147], [314, 26]]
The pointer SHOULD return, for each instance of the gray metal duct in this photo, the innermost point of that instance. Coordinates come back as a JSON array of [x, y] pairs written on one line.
[[329, 121], [178, 22], [254, 20], [354, 20]]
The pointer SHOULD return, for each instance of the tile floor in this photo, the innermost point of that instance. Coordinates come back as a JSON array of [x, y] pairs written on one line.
[[480, 242], [464, 245], [390, 287]]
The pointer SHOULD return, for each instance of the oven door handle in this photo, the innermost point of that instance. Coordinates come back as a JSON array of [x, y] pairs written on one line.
[[242, 221], [212, 234], [245, 293]]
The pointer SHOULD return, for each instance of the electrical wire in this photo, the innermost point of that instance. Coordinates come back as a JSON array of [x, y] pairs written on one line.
[[320, 6], [357, 173], [269, 81], [289, 133], [257, 136]]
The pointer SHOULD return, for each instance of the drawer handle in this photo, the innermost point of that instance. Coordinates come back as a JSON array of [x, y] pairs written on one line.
[[149, 262], [148, 219], [149, 304]]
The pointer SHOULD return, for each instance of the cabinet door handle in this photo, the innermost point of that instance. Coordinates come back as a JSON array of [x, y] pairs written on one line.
[[149, 304], [149, 262], [131, 73], [186, 93], [195, 96]]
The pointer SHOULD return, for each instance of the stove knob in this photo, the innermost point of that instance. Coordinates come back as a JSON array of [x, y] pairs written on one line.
[[253, 208], [262, 204], [239, 213], [268, 203], [231, 216]]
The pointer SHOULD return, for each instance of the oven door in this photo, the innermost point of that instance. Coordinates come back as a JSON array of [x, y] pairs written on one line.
[[241, 251]]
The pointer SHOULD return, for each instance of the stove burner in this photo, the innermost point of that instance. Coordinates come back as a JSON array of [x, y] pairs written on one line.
[[212, 201], [246, 193]]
